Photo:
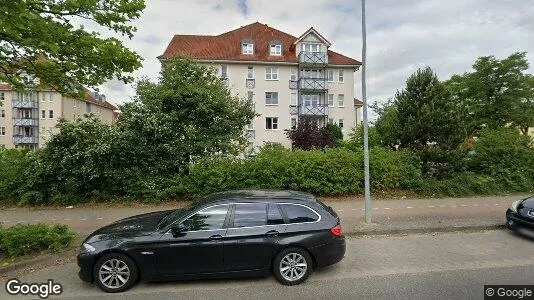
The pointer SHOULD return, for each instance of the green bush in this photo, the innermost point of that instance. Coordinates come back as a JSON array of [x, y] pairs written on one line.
[[333, 171], [23, 239], [13, 164]]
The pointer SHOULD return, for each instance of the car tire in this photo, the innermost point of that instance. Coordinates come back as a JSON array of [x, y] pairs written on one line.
[[292, 266], [115, 273]]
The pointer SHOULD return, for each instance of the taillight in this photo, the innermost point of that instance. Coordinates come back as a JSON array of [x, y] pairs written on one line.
[[336, 230]]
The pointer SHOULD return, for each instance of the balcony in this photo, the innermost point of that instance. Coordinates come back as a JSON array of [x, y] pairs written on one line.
[[293, 84], [319, 110], [250, 83], [313, 59], [312, 84], [25, 122], [224, 80], [251, 134], [19, 139], [25, 104]]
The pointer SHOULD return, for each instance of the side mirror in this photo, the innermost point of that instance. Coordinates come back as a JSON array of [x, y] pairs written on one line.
[[178, 230]]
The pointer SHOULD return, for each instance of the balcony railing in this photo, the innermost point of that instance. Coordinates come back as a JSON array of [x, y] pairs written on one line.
[[25, 104], [293, 84], [309, 110], [224, 80], [312, 84], [251, 134], [319, 59], [19, 139], [25, 122], [250, 83]]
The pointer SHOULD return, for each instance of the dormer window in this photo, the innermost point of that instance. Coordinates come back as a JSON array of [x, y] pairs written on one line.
[[275, 48], [311, 47], [247, 47]]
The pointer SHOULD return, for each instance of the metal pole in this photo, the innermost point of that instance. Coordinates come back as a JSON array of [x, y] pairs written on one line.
[[365, 123]]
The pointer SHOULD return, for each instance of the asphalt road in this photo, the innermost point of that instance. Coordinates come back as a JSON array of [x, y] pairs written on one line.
[[429, 266]]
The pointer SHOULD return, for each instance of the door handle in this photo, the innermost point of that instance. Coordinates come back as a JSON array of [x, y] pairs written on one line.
[[272, 233], [215, 237]]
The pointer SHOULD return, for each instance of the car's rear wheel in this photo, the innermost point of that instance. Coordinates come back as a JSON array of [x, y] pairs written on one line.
[[292, 266], [115, 272]]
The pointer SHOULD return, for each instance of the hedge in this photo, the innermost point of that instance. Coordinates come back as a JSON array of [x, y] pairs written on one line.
[[23, 239]]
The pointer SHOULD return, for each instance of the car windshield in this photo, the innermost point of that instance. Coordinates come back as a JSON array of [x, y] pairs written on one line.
[[176, 214]]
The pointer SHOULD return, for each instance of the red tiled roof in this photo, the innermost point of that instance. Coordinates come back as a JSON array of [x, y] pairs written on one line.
[[226, 46], [358, 103], [5, 87]]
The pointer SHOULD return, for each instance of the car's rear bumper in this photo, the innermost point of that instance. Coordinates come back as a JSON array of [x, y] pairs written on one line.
[[329, 254], [86, 263]]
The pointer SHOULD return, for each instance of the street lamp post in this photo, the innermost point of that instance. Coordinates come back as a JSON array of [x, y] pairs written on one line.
[[365, 122]]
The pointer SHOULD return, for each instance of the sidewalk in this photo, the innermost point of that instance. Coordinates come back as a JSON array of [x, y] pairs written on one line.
[[388, 216]]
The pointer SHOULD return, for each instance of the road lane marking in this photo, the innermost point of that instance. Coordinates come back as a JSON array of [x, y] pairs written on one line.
[[84, 219], [463, 205], [431, 206], [497, 204], [99, 218], [67, 219], [409, 207], [386, 207]]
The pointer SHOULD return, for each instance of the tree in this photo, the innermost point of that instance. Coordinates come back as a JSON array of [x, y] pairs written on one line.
[[188, 114], [336, 131], [356, 137], [40, 38], [496, 92], [309, 135], [427, 115], [387, 125]]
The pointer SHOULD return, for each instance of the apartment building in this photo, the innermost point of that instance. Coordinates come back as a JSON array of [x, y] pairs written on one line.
[[28, 119], [283, 76]]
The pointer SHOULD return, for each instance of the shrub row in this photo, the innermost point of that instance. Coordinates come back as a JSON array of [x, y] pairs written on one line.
[[23, 239]]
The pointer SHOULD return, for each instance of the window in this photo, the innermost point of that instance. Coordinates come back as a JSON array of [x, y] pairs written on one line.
[[87, 107], [224, 71], [247, 48], [299, 213], [331, 100], [43, 96], [274, 217], [293, 98], [250, 72], [43, 131], [2, 96], [311, 100], [43, 114], [2, 113], [250, 126], [330, 121], [293, 76], [250, 96], [250, 214], [51, 114], [311, 47], [340, 100], [271, 73], [330, 75], [314, 73], [341, 123], [211, 218], [271, 123], [341, 76], [293, 123], [276, 49], [271, 98], [2, 131]]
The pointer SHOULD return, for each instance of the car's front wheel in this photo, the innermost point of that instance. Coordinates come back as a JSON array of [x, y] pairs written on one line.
[[115, 272], [292, 266]]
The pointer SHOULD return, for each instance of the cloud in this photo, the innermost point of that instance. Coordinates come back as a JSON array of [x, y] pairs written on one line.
[[401, 35]]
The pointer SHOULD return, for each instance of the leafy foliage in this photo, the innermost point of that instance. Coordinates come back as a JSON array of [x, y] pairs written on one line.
[[496, 93], [24, 239], [356, 138], [13, 166], [41, 38], [309, 135]]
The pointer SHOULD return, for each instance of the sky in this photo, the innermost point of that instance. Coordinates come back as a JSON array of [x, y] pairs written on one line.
[[402, 35]]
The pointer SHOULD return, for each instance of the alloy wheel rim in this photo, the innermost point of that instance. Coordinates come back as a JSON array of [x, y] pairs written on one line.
[[114, 273], [293, 267]]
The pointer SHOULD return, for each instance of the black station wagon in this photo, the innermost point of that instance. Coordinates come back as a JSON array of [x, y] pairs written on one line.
[[230, 234]]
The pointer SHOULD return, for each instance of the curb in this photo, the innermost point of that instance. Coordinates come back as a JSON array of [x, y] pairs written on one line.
[[35, 260], [474, 228]]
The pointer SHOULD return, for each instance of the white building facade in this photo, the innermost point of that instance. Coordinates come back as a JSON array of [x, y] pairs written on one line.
[[284, 77]]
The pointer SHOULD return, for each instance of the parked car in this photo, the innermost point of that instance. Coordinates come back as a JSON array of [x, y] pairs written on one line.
[[244, 233], [520, 216]]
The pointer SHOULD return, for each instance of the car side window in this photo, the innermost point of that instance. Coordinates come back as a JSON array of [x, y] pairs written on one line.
[[250, 214], [274, 217], [211, 218], [299, 213]]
